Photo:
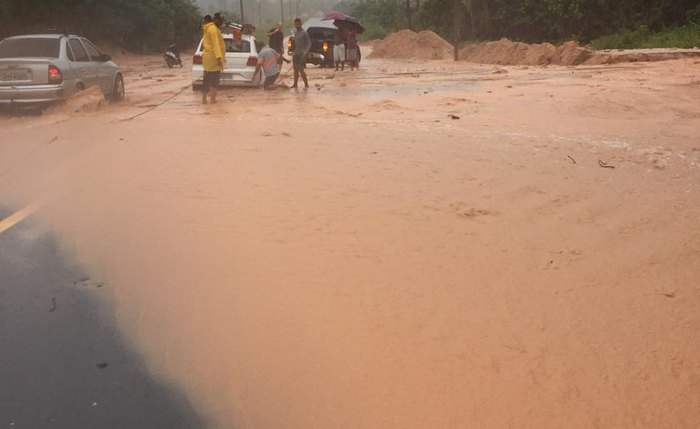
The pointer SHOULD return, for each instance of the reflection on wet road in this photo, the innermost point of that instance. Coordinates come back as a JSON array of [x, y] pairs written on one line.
[[63, 362]]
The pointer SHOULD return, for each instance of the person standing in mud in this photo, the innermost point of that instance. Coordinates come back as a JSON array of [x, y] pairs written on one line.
[[352, 48], [339, 48], [302, 46], [213, 56]]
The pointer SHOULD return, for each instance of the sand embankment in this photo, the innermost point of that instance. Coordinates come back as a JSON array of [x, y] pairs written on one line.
[[407, 44]]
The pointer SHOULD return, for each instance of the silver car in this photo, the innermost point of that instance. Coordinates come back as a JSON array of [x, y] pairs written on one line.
[[44, 68]]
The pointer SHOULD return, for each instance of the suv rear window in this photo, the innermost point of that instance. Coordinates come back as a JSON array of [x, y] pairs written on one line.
[[30, 47], [231, 46]]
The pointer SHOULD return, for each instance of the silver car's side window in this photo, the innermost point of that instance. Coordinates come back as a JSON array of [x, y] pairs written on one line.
[[78, 51], [92, 50], [69, 52]]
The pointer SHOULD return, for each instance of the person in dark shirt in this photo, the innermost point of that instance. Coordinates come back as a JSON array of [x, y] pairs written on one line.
[[276, 38]]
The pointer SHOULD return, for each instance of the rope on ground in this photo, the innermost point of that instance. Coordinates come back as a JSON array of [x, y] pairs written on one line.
[[184, 88]]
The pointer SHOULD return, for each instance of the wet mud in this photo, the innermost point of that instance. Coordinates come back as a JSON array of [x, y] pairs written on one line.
[[414, 244]]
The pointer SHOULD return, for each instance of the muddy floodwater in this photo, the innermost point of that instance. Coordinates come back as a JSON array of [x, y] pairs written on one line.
[[419, 244]]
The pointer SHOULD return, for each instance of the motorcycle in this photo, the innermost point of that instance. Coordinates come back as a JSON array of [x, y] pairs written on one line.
[[172, 57]]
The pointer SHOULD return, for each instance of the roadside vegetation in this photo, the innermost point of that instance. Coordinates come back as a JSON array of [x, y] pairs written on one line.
[[151, 25], [610, 23], [687, 36], [137, 25]]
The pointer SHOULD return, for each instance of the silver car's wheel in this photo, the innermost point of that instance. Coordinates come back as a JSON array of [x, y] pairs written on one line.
[[118, 92]]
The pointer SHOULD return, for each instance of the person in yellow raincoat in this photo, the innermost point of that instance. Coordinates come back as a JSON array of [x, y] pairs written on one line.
[[213, 56]]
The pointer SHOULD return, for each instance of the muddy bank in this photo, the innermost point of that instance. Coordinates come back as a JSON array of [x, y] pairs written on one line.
[[440, 249], [407, 44], [427, 45], [507, 52]]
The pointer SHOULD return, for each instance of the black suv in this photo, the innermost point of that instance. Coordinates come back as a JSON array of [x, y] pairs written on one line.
[[322, 35]]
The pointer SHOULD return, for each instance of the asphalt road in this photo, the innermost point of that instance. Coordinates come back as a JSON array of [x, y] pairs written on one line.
[[63, 363]]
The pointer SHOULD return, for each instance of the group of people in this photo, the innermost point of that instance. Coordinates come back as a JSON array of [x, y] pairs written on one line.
[[345, 48], [270, 58], [302, 47]]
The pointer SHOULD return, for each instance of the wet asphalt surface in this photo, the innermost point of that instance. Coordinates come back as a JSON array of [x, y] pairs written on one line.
[[63, 363]]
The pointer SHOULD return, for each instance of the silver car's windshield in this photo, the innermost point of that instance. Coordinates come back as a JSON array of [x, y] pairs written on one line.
[[30, 48]]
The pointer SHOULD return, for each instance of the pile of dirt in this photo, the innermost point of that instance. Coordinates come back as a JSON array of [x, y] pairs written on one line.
[[507, 52], [643, 55], [407, 44], [570, 54]]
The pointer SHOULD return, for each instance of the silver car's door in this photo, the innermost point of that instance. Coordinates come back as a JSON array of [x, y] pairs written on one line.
[[102, 70], [81, 64]]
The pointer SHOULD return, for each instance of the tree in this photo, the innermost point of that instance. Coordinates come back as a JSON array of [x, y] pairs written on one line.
[[141, 25]]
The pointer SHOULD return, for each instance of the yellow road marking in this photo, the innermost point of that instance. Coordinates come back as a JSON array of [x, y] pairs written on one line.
[[18, 217]]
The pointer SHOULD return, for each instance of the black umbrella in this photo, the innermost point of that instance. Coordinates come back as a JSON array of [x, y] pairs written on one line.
[[340, 19], [331, 16]]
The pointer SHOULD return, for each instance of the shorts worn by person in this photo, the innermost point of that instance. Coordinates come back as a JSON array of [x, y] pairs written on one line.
[[213, 56], [339, 49], [352, 49], [302, 47], [269, 61]]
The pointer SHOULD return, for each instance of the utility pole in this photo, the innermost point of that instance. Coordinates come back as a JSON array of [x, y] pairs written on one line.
[[259, 14], [282, 7], [242, 15]]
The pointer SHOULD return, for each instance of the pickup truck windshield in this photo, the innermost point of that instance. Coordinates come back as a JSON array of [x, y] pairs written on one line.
[[321, 33], [30, 47]]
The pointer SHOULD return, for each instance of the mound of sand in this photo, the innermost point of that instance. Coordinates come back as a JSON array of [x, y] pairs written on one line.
[[507, 52], [642, 55], [407, 44], [570, 54]]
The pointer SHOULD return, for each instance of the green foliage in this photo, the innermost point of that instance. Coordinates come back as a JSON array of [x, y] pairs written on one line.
[[140, 25], [379, 17], [679, 37], [694, 15], [538, 20]]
